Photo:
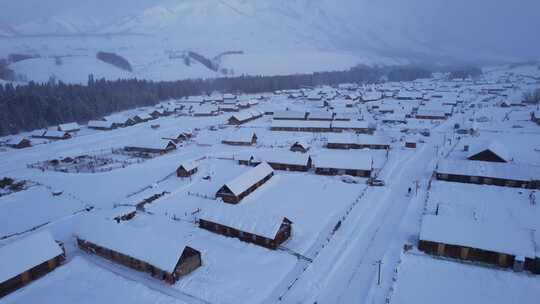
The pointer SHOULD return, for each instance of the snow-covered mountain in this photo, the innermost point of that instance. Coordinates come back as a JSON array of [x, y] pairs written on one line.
[[278, 36]]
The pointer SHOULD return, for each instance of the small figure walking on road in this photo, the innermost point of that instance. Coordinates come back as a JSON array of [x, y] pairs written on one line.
[[409, 191]]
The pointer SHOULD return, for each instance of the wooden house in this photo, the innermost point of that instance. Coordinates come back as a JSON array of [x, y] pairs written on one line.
[[490, 152], [263, 229], [234, 191], [357, 141], [187, 169], [69, 127], [228, 108], [354, 126], [140, 118], [489, 173], [21, 143], [329, 164], [27, 259], [290, 115], [103, 125], [153, 147], [430, 114], [301, 126], [164, 258], [300, 146], [483, 242], [535, 117], [244, 117], [241, 139], [278, 160], [320, 116], [51, 134]]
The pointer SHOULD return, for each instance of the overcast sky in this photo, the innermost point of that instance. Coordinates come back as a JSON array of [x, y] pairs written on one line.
[[508, 26]]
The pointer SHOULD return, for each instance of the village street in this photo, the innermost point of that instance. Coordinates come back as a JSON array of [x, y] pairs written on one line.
[[345, 269]]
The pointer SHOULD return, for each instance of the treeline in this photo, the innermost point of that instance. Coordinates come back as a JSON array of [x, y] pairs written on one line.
[[34, 105]]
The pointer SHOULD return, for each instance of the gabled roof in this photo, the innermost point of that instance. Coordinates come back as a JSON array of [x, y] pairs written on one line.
[[138, 243], [333, 161], [481, 235], [157, 144], [189, 165], [55, 134], [494, 146], [100, 124], [249, 178], [27, 253], [276, 156], [289, 115], [246, 219], [509, 171]]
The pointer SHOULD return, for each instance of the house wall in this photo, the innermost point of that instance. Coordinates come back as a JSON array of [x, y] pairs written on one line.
[[30, 275], [336, 171], [181, 172], [479, 180]]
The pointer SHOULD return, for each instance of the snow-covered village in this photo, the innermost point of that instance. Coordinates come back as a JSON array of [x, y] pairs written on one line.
[[269, 152]]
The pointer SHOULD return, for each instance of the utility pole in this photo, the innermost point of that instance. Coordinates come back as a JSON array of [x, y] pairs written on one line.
[[378, 263]]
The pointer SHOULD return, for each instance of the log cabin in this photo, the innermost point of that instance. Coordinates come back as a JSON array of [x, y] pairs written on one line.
[[234, 191]]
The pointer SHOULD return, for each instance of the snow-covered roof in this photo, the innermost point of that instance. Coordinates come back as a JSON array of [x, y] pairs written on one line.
[[508, 171], [189, 165], [320, 115], [69, 127], [144, 116], [289, 115], [138, 243], [27, 253], [333, 161], [353, 124], [493, 146], [372, 95], [240, 136], [100, 124], [276, 156], [300, 124], [55, 134], [154, 143], [249, 178], [489, 236], [362, 139], [246, 218], [431, 113]]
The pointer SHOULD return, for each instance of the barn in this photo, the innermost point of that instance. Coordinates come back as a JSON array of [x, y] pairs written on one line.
[[187, 169], [491, 152], [300, 146], [484, 242], [240, 138], [330, 164], [139, 249], [152, 147], [69, 127], [244, 117], [234, 191], [28, 259], [278, 160], [251, 226], [489, 173]]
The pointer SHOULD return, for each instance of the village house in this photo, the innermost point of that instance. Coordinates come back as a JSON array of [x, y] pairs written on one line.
[[300, 146], [491, 152], [187, 169], [103, 125], [290, 115], [278, 160], [357, 141], [241, 138], [430, 114], [320, 116], [354, 126], [330, 164], [228, 108], [206, 110], [244, 117], [27, 259], [69, 127], [371, 96], [156, 113], [179, 136], [394, 118], [20, 143], [234, 191], [152, 147], [163, 258], [535, 117], [251, 226], [301, 126], [243, 104], [140, 118], [489, 173], [484, 242], [51, 134]]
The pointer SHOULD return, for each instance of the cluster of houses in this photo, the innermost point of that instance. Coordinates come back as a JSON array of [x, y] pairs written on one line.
[[483, 242]]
